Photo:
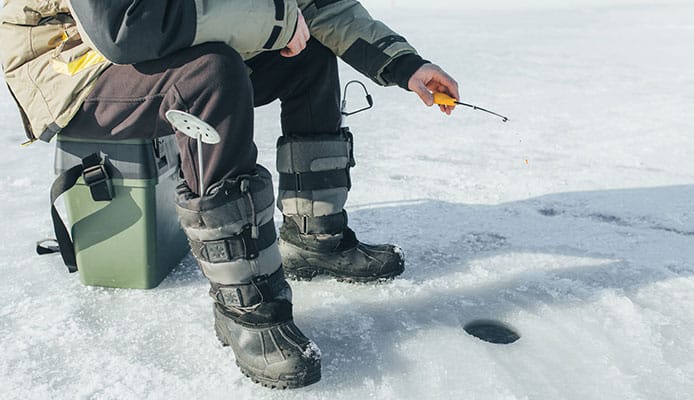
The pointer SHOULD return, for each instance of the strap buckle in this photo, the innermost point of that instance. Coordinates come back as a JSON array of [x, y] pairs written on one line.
[[96, 177], [241, 246], [297, 182], [217, 251], [250, 294], [328, 224]]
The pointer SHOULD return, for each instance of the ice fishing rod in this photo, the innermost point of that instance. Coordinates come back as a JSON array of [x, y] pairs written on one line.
[[439, 98], [446, 100]]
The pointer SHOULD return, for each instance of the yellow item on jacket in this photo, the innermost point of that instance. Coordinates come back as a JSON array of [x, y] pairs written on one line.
[[90, 58]]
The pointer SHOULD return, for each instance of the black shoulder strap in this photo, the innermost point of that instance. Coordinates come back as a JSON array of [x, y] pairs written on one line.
[[94, 172], [62, 184]]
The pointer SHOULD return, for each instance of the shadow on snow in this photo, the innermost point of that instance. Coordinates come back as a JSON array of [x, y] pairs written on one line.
[[460, 266]]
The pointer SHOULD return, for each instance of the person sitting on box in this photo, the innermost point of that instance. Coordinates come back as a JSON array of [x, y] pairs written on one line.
[[113, 70]]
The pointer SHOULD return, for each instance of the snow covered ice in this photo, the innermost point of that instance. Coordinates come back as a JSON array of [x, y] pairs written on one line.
[[587, 249]]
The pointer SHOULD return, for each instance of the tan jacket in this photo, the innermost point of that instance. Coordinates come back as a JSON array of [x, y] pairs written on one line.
[[47, 67]]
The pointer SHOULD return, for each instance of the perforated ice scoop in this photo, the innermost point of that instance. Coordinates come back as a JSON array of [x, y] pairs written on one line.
[[194, 127]]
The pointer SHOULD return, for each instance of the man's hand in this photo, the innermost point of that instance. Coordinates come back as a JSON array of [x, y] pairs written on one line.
[[431, 78], [298, 42]]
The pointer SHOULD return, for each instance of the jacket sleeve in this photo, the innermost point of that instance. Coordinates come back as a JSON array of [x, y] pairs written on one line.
[[368, 45], [131, 31]]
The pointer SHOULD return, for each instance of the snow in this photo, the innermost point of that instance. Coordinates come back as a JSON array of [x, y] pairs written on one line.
[[587, 249]]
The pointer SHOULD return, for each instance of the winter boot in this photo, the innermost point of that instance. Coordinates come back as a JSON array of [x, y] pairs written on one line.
[[315, 238], [232, 236]]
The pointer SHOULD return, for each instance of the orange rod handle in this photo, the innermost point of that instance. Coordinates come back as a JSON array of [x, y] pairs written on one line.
[[444, 99]]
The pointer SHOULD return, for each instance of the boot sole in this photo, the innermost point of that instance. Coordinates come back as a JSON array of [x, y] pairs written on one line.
[[294, 382], [299, 268], [287, 382]]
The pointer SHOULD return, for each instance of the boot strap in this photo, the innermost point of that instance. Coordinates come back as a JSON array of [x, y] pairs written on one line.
[[241, 246], [328, 224], [250, 294], [330, 179]]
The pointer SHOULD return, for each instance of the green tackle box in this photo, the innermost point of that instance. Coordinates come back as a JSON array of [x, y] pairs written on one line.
[[134, 239]]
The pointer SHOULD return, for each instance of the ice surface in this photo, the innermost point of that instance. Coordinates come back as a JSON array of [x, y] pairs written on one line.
[[587, 249]]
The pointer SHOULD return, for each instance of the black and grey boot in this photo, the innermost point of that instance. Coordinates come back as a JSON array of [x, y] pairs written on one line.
[[255, 319], [315, 238], [232, 236]]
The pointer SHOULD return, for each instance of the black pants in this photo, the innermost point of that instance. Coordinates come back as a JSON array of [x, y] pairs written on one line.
[[212, 82]]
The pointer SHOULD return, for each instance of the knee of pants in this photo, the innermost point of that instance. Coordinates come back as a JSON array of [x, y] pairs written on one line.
[[322, 58], [214, 69], [218, 58]]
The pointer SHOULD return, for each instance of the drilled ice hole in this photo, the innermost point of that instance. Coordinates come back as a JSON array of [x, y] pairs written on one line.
[[492, 331]]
